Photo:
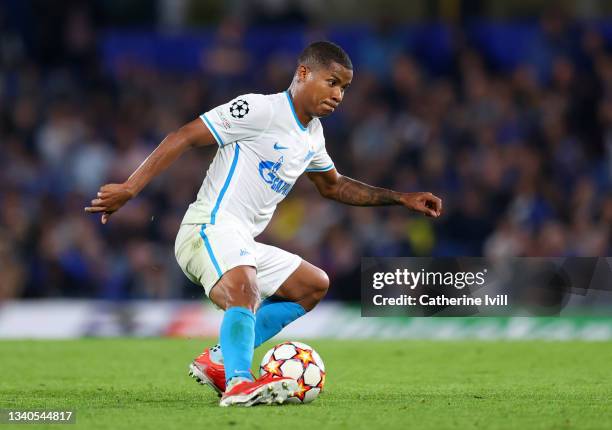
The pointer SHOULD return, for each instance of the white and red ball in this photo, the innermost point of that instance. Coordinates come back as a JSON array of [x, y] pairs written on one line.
[[298, 361]]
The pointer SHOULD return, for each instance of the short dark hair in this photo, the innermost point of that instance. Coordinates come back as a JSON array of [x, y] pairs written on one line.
[[324, 53]]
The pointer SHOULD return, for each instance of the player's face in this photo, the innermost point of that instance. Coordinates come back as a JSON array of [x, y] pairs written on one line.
[[325, 89]]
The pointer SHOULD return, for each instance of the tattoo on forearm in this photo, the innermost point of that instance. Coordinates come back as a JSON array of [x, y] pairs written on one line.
[[357, 193]]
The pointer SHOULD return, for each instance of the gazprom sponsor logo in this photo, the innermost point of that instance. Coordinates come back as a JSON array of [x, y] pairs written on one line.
[[268, 170]]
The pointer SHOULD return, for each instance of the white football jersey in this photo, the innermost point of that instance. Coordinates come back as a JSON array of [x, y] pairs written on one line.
[[263, 149]]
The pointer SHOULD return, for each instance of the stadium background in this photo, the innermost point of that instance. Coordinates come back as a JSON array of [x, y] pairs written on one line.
[[503, 110]]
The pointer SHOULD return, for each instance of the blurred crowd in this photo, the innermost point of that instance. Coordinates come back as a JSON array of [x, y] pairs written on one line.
[[522, 158]]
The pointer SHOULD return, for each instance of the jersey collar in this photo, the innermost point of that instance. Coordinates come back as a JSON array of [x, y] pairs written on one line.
[[297, 120]]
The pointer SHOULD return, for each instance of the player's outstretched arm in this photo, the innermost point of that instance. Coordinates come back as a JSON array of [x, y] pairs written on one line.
[[333, 185], [111, 197]]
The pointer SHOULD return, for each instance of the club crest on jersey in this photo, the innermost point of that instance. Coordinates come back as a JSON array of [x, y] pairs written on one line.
[[268, 172]]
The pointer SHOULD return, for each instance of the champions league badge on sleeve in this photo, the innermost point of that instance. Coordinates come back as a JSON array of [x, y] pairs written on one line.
[[239, 109]]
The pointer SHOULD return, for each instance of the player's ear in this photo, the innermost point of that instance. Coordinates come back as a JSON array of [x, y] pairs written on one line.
[[302, 73]]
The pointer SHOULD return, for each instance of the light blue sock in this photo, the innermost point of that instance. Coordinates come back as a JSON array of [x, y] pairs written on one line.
[[237, 339], [272, 316]]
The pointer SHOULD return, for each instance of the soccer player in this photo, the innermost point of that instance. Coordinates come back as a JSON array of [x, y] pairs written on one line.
[[265, 142]]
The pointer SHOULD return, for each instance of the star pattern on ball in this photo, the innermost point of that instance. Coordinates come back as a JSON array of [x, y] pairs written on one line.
[[322, 382], [239, 108], [304, 355], [302, 390], [273, 367]]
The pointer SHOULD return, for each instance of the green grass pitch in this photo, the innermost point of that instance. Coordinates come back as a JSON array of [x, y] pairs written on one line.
[[143, 383]]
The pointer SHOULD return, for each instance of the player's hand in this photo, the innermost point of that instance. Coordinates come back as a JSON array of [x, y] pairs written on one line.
[[110, 198], [425, 203]]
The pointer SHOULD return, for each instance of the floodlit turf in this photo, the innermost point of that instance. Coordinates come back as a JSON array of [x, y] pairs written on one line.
[[133, 384]]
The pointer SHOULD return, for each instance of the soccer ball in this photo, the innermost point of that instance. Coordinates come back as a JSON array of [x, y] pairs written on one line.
[[298, 361]]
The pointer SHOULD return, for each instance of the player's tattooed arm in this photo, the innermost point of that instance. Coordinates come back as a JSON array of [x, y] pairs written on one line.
[[349, 191], [356, 193], [111, 197]]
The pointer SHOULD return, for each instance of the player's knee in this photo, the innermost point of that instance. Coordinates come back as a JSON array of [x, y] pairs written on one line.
[[236, 289], [246, 289], [320, 284], [243, 294]]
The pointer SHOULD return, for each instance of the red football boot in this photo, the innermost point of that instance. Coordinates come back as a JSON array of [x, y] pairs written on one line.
[[266, 390], [207, 372]]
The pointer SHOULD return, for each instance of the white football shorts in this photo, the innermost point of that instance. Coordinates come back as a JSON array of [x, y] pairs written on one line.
[[205, 252]]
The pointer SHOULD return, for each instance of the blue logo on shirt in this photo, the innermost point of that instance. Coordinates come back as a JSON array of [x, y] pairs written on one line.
[[268, 172], [278, 147]]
